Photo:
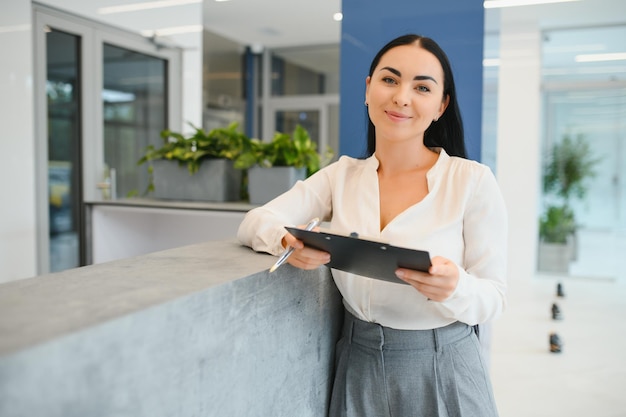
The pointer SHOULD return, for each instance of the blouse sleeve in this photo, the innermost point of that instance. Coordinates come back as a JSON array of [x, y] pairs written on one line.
[[263, 227], [480, 293]]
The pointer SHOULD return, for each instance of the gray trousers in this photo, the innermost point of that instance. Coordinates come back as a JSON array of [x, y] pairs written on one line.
[[384, 372]]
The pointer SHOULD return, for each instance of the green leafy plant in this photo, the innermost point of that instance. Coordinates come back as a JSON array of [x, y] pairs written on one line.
[[297, 150], [227, 143], [569, 166], [557, 224]]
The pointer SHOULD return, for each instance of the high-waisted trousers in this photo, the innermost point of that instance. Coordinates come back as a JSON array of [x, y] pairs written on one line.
[[384, 372]]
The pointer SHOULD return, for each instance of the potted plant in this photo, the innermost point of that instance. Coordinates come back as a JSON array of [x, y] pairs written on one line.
[[275, 166], [569, 165], [197, 167]]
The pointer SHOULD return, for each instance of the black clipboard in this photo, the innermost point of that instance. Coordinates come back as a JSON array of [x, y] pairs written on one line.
[[365, 257]]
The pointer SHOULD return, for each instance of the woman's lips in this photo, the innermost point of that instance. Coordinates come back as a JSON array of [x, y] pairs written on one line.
[[398, 117]]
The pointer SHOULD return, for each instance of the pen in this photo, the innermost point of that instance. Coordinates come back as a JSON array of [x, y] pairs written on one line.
[[287, 253]]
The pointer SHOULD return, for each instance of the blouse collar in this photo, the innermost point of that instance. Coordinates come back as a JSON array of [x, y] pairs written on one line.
[[440, 165]]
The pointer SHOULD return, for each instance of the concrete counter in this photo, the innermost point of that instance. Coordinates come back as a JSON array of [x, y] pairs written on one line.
[[200, 330]]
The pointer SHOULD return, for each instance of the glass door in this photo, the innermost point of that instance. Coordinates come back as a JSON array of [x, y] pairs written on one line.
[[64, 147], [584, 83], [286, 121], [134, 113], [597, 115], [296, 88], [102, 95], [319, 115]]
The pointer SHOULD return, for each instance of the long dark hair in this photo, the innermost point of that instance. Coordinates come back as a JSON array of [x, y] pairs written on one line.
[[447, 132]]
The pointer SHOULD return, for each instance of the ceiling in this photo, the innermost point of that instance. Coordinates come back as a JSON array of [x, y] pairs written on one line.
[[297, 25], [288, 23], [268, 23], [274, 23]]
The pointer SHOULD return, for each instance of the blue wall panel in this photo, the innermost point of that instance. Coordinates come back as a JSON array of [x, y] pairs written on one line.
[[457, 25]]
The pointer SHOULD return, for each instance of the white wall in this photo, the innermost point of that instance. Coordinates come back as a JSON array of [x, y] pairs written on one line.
[[17, 170]]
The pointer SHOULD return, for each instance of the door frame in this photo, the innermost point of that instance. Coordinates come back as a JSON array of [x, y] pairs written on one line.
[[270, 105], [92, 34]]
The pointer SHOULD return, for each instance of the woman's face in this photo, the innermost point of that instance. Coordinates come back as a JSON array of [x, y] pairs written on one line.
[[405, 93]]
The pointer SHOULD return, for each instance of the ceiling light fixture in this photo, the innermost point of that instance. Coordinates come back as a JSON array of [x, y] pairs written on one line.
[[133, 7], [174, 30], [16, 28], [493, 4], [617, 56], [491, 62]]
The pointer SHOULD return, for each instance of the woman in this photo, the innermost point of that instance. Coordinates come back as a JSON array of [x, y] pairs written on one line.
[[406, 350]]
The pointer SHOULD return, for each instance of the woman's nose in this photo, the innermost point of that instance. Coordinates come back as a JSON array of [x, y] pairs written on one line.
[[401, 98]]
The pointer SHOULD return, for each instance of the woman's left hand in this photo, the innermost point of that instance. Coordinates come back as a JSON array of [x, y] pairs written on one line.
[[438, 284]]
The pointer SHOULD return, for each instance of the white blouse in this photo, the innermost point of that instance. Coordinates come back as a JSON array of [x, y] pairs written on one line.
[[463, 218]]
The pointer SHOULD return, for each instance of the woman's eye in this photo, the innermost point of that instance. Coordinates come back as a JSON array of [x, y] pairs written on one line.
[[388, 80], [422, 88]]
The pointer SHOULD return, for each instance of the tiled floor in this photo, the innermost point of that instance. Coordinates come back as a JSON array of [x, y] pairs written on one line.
[[588, 378]]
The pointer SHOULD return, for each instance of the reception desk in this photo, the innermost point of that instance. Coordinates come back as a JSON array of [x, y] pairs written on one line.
[[117, 229], [199, 330]]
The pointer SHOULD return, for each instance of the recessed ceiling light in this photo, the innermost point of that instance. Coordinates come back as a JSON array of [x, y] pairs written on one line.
[[491, 4], [174, 30], [16, 28], [491, 62], [269, 31], [145, 6], [618, 56]]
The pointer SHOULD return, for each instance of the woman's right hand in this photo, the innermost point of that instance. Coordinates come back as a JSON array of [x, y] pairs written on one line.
[[304, 257]]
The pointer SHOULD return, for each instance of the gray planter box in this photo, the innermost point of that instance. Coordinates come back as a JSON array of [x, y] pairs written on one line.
[[264, 184], [554, 257], [216, 180]]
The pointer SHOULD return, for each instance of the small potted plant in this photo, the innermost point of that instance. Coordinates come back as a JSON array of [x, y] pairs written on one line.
[[275, 166], [568, 167], [197, 167]]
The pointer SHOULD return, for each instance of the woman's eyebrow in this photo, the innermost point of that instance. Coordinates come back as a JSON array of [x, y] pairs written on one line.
[[416, 78], [424, 77]]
